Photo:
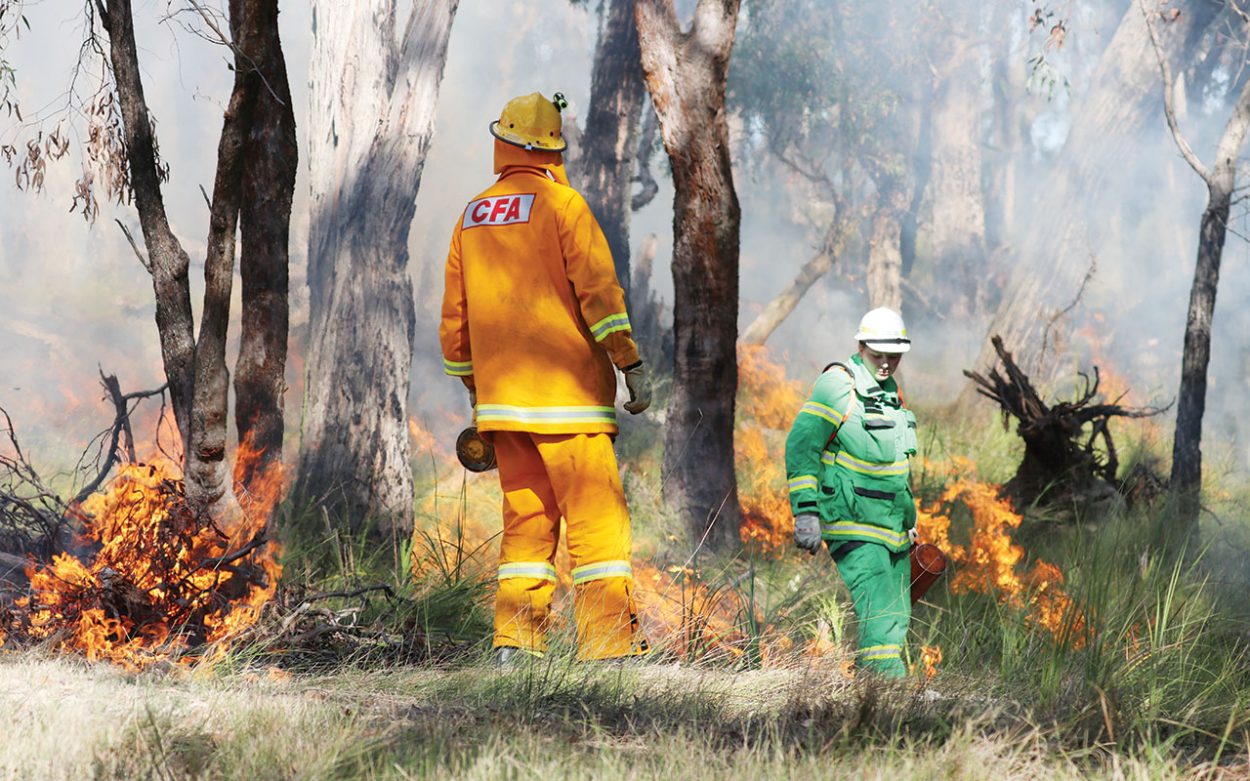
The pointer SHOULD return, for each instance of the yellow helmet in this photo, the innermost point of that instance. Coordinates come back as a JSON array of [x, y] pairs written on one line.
[[532, 122]]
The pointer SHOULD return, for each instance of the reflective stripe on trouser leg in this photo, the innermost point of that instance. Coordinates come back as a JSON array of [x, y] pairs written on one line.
[[583, 473], [531, 528], [879, 584]]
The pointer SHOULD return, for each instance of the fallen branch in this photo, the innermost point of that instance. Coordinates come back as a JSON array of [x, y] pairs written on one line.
[[121, 424], [390, 594]]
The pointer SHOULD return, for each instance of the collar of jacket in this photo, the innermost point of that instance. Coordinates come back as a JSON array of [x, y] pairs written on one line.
[[508, 156]]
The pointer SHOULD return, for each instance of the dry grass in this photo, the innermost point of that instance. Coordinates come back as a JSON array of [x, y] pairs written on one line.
[[69, 719]]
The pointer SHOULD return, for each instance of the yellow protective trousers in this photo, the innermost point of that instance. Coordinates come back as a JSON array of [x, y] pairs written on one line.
[[545, 477]]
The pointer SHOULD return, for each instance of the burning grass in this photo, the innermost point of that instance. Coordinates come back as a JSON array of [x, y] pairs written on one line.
[[990, 562], [767, 406]]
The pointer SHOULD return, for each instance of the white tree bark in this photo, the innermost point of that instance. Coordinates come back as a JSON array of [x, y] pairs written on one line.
[[954, 234], [373, 98]]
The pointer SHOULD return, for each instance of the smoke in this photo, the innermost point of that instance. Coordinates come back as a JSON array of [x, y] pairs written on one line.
[[75, 297]]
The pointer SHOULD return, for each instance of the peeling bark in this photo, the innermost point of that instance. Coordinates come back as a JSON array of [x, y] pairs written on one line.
[[685, 75]]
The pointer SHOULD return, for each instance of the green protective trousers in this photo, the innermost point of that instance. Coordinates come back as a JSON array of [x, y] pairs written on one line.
[[880, 584]]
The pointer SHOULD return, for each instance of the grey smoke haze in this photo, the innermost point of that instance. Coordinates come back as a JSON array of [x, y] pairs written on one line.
[[76, 297]]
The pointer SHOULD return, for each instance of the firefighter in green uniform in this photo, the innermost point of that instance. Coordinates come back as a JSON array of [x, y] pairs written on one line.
[[848, 465]]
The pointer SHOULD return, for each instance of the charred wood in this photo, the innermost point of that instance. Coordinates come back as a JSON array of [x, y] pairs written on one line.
[[1069, 454]]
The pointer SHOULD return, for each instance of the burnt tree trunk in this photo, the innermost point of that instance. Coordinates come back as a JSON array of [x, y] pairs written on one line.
[[685, 75], [208, 479], [196, 370], [269, 165], [605, 169], [1186, 479], [374, 91], [1054, 255], [166, 261]]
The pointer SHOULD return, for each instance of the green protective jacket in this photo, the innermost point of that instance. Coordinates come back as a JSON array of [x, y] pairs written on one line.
[[848, 458]]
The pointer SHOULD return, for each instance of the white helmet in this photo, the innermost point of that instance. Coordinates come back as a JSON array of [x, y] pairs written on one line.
[[882, 330]]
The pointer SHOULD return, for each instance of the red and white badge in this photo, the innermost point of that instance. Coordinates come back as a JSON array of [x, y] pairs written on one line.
[[498, 210]]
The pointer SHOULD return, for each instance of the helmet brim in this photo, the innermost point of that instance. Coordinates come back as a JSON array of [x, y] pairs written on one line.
[[893, 346], [515, 140]]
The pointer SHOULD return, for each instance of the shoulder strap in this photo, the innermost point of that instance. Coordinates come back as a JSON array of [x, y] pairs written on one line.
[[850, 404]]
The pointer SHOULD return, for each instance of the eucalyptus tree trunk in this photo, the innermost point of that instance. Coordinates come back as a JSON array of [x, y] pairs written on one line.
[[166, 260], [685, 74], [196, 370], [270, 159], [885, 258], [954, 233], [374, 91], [1220, 178], [1054, 255], [1186, 479], [209, 483], [605, 169]]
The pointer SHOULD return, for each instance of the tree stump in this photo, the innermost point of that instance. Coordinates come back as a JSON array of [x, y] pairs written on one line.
[[1062, 461]]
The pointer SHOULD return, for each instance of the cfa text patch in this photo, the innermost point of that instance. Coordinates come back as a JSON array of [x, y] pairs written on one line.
[[498, 210]]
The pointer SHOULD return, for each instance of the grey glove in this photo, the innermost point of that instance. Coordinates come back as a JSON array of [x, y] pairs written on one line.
[[807, 532], [913, 535], [639, 385]]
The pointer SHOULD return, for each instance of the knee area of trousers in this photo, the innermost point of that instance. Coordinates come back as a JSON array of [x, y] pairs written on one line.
[[602, 570]]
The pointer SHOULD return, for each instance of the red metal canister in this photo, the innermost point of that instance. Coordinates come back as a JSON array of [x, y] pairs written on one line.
[[928, 562]]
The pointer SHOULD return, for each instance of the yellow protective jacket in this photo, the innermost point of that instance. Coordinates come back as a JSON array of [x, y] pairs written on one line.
[[532, 309]]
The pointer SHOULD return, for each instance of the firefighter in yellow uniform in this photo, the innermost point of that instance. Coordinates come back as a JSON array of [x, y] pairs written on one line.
[[533, 323]]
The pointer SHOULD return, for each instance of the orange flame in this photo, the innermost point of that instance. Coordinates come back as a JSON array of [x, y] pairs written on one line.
[[930, 658], [159, 580], [767, 405], [988, 564], [422, 440]]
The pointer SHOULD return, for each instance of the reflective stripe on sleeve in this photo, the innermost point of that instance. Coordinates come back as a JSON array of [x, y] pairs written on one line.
[[540, 570], [836, 529], [458, 368], [600, 570], [610, 325], [506, 413], [843, 459], [822, 411], [803, 483]]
